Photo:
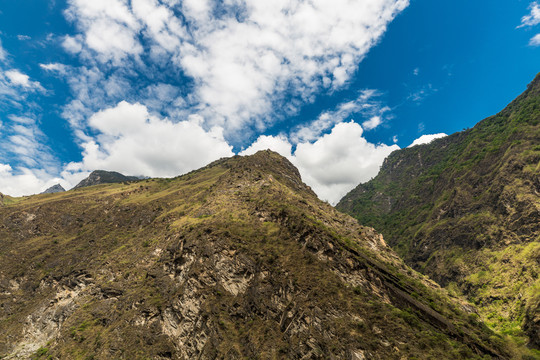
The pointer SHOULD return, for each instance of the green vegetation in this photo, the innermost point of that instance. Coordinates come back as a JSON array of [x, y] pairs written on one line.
[[465, 210]]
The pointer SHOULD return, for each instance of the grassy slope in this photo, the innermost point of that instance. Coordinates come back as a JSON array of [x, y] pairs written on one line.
[[466, 211], [320, 284]]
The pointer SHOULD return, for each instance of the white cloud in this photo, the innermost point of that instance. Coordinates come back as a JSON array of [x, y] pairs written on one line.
[[23, 140], [60, 68], [18, 78], [3, 53], [535, 40], [23, 80], [251, 63], [335, 163], [533, 18], [416, 71], [339, 161], [73, 44], [109, 28], [366, 105], [426, 139], [133, 142], [372, 123], [23, 182], [245, 58], [279, 144], [23, 37]]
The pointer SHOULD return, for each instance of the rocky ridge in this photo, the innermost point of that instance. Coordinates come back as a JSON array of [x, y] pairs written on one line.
[[236, 260]]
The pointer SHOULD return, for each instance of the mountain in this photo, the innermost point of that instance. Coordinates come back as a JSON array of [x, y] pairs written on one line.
[[5, 199], [465, 210], [238, 260], [104, 177], [54, 189]]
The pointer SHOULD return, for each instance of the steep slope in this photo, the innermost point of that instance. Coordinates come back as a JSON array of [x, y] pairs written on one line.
[[465, 210], [6, 199], [237, 260], [104, 177]]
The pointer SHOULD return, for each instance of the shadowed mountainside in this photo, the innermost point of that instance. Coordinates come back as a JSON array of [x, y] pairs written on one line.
[[465, 210]]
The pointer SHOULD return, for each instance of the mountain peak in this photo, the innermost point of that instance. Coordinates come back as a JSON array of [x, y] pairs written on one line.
[[104, 177], [236, 260], [273, 163], [54, 189]]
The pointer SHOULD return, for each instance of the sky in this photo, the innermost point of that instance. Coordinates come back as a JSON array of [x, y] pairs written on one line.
[[162, 87]]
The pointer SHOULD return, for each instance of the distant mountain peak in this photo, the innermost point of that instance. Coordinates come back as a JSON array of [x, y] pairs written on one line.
[[97, 177], [54, 189]]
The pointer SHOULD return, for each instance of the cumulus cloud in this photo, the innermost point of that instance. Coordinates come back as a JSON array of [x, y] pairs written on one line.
[[18, 78], [335, 163], [372, 123], [533, 18], [244, 56], [109, 28], [25, 181], [339, 161], [246, 64], [426, 139], [279, 144], [132, 141]]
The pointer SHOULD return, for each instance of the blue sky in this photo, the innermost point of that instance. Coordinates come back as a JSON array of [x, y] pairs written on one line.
[[159, 88]]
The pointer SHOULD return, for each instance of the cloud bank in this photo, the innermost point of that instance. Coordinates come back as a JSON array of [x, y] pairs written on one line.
[[240, 67], [245, 57]]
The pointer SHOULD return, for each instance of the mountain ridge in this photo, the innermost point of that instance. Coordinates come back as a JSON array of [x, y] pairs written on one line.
[[239, 259], [465, 210], [98, 177]]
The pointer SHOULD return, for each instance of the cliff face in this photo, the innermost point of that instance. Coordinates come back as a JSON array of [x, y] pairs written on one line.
[[236, 260], [465, 210]]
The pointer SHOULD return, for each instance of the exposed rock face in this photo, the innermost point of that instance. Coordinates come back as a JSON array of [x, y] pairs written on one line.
[[104, 177], [54, 189], [465, 210], [237, 260]]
